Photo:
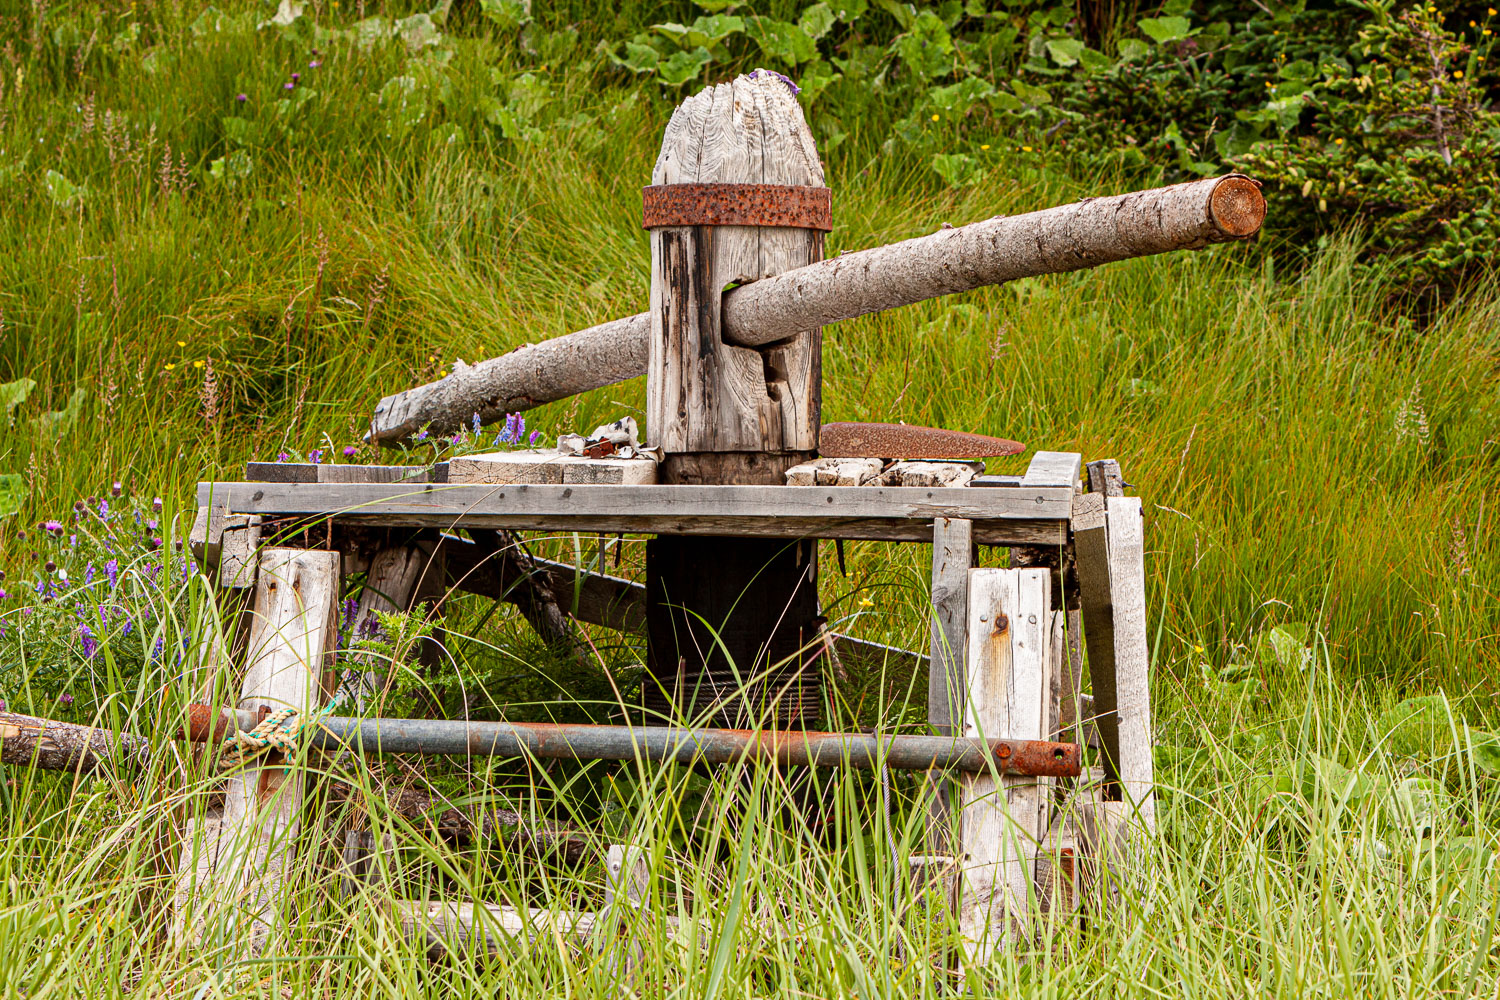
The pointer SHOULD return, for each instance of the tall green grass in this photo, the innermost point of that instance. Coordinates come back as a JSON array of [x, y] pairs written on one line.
[[1310, 462]]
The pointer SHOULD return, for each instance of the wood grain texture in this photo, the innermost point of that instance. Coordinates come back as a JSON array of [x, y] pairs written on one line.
[[1052, 468], [952, 558], [67, 746], [703, 393], [1072, 237], [550, 467], [1008, 692], [293, 631]]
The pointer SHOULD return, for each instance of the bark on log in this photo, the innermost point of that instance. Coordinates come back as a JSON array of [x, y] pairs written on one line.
[[66, 746], [1066, 238]]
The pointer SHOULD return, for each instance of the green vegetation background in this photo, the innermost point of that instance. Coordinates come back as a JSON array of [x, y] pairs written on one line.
[[228, 231]]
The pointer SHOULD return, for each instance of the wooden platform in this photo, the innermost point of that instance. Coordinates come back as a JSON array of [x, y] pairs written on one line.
[[1018, 515]]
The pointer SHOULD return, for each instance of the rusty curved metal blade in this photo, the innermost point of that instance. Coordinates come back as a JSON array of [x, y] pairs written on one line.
[[852, 440]]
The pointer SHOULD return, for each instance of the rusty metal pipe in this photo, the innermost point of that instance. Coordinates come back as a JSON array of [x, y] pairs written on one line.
[[671, 743]]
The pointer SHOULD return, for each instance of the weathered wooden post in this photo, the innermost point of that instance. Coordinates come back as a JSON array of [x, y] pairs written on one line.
[[737, 195]]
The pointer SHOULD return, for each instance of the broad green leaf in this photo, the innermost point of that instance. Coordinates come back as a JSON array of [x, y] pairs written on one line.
[[1034, 96], [418, 32], [782, 41], [507, 15], [1283, 645], [405, 104], [817, 20], [13, 394], [958, 98], [1486, 748], [57, 424], [638, 58], [240, 131], [63, 192], [1006, 102], [232, 167], [957, 169], [286, 14], [849, 11], [1093, 60], [1132, 49], [1165, 29], [12, 493], [926, 50], [683, 66], [1065, 51], [1287, 111]]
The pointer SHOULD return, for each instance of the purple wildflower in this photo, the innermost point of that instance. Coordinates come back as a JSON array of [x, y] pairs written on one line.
[[314, 64], [288, 85], [534, 435], [282, 456], [65, 698], [104, 508], [116, 489], [151, 523], [3, 594], [296, 77], [315, 456], [421, 435], [2, 704], [73, 541], [88, 574], [156, 650], [475, 423], [755, 74], [52, 527], [457, 438], [242, 98], [90, 644], [156, 504], [155, 543], [112, 572], [350, 451]]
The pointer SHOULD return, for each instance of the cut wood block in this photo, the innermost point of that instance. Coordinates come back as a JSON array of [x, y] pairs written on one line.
[[547, 466], [930, 474], [834, 472], [307, 472], [238, 551]]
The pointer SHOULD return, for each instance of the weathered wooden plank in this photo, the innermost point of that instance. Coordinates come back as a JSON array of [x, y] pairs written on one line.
[[952, 558], [1132, 659], [294, 629], [1052, 468], [308, 472], [206, 535], [239, 551], [1105, 478], [1003, 517], [993, 481], [468, 928], [1008, 692], [542, 467]]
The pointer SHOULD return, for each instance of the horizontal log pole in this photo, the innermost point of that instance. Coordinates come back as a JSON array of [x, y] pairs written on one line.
[[67, 746], [1072, 237]]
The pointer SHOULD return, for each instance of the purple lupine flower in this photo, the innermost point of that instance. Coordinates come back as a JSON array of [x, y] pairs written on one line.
[[475, 423], [534, 435], [88, 574], [126, 629], [73, 541], [104, 508], [315, 456], [282, 456], [156, 650], [112, 571], [350, 451], [242, 98], [90, 645]]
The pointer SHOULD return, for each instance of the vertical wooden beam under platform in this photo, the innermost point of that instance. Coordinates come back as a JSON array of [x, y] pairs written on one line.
[[721, 611], [237, 880], [952, 558], [1109, 539], [1008, 694]]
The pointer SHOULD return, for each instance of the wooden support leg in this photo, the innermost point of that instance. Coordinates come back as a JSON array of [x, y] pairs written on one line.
[[294, 629], [1008, 694], [627, 881], [952, 556], [1108, 537]]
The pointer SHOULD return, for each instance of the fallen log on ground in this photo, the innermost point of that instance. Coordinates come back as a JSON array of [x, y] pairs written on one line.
[[67, 746], [1072, 237]]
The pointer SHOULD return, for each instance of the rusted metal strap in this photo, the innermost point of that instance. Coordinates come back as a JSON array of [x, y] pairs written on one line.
[[738, 205]]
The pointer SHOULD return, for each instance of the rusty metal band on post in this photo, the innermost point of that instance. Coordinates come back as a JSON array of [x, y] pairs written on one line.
[[738, 205]]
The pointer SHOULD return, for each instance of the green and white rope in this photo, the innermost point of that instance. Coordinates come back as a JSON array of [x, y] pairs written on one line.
[[278, 731]]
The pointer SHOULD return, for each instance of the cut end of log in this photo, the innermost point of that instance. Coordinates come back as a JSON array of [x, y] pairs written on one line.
[[1237, 206]]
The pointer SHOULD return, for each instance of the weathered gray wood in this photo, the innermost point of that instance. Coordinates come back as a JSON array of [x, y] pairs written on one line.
[[361, 867], [1105, 478], [627, 882], [239, 551], [704, 393], [468, 928], [294, 630], [1002, 517], [67, 746], [996, 481], [952, 557], [207, 532], [1002, 821], [1132, 659], [550, 467], [1052, 468], [309, 472], [1068, 238], [1108, 540]]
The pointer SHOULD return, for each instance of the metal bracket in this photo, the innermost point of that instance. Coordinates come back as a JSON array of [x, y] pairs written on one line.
[[738, 205]]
